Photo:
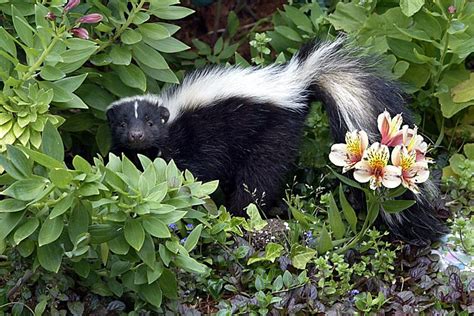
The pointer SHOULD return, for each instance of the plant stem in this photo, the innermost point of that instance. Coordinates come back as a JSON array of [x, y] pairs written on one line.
[[40, 60], [123, 27]]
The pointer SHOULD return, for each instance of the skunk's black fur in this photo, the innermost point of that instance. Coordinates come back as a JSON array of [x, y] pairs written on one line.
[[243, 126]]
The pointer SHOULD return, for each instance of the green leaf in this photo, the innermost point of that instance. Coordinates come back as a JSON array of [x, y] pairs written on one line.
[[8, 222], [71, 84], [410, 7], [154, 31], [19, 160], [130, 37], [396, 206], [52, 144], [148, 56], [120, 55], [62, 206], [347, 210], [325, 242], [349, 17], [25, 230], [301, 255], [289, 33], [42, 159], [456, 27], [60, 94], [189, 264], [61, 178], [50, 230], [12, 205], [169, 284], [156, 227], [193, 238], [299, 18], [346, 180], [50, 257], [6, 42], [22, 27], [134, 234], [25, 190], [335, 220], [255, 220], [172, 12], [132, 76], [464, 91], [81, 164], [79, 220], [373, 208], [51, 73], [152, 293], [147, 252], [167, 45]]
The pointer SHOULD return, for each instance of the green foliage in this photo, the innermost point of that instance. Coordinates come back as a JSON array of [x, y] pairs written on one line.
[[45, 70], [111, 214]]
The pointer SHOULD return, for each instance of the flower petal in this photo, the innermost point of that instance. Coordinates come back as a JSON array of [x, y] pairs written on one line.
[[396, 153], [383, 123], [363, 172], [391, 176], [420, 172], [339, 155]]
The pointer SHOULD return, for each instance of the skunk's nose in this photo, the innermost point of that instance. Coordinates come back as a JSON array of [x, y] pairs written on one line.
[[136, 136]]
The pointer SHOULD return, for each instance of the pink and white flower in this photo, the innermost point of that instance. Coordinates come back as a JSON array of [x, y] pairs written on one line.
[[390, 129], [413, 171], [416, 143], [90, 18], [348, 154], [80, 32], [374, 168]]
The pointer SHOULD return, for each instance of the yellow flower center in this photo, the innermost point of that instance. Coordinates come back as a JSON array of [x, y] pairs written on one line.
[[407, 160], [377, 159]]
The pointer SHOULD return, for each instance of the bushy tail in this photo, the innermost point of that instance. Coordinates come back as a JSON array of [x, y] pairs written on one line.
[[354, 95]]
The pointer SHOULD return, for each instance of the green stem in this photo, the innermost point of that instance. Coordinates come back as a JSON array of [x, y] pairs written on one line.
[[123, 27], [27, 76]]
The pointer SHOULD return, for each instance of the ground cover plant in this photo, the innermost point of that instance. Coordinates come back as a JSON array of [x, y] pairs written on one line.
[[83, 232]]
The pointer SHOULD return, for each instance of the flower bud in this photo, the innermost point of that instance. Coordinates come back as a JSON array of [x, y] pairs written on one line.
[[80, 32], [50, 16], [452, 9], [71, 4], [90, 18]]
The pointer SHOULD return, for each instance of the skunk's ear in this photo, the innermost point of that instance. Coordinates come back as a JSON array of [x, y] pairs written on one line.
[[110, 114], [164, 114]]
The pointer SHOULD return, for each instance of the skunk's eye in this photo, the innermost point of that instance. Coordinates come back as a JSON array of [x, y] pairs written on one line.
[[123, 124], [163, 121], [150, 123]]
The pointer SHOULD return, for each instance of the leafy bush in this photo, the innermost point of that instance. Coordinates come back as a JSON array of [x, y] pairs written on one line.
[[45, 71]]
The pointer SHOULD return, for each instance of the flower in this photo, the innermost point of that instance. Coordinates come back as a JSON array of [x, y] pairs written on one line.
[[348, 154], [173, 226], [413, 171], [80, 32], [189, 226], [452, 9], [416, 143], [50, 16], [390, 129], [182, 241], [374, 168], [71, 5], [90, 18]]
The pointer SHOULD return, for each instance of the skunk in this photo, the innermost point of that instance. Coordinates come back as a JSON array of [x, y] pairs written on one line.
[[242, 126]]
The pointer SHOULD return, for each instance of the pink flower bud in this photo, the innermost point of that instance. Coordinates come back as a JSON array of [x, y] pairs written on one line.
[[80, 32], [90, 18], [50, 16], [71, 4], [452, 9]]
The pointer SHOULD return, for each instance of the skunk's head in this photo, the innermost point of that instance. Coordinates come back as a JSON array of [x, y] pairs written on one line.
[[137, 123]]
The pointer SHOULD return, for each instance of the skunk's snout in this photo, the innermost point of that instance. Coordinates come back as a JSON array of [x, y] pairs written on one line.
[[136, 136]]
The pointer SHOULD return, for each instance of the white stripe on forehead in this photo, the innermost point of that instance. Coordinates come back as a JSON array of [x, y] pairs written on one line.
[[150, 98], [135, 107]]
